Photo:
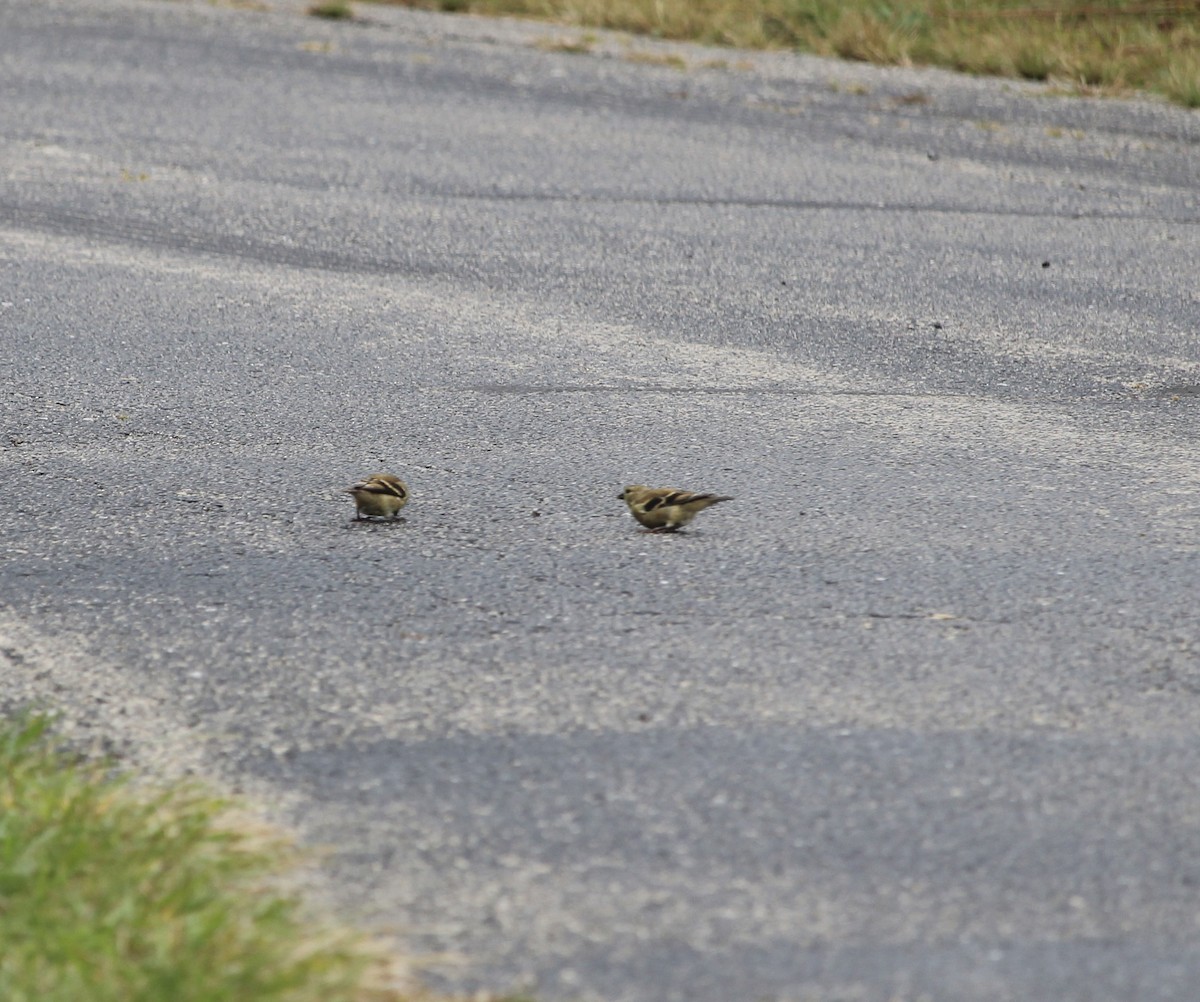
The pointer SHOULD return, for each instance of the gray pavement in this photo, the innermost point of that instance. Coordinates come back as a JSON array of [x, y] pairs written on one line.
[[914, 717]]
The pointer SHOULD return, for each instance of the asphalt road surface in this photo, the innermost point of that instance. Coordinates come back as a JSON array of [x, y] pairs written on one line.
[[916, 716]]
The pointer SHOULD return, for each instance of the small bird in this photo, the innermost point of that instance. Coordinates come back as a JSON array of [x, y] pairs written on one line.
[[665, 509], [380, 495]]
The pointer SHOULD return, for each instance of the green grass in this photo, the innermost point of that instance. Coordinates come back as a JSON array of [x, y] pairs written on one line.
[[1093, 46], [333, 10], [112, 892]]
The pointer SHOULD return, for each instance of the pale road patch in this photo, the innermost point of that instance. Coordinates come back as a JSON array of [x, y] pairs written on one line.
[[623, 356], [96, 705]]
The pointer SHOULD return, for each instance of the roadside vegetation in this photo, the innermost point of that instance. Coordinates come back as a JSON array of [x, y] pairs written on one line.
[[114, 892], [1090, 46], [332, 10]]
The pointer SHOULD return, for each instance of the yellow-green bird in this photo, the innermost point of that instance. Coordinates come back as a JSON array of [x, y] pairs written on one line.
[[380, 495], [665, 509]]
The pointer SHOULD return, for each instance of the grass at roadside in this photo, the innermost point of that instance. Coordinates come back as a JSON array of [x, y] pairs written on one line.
[[333, 10], [111, 892], [1104, 46]]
